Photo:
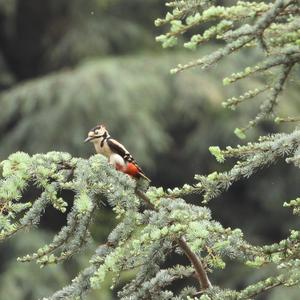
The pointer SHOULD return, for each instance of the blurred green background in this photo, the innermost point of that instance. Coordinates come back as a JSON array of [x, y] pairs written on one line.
[[67, 65]]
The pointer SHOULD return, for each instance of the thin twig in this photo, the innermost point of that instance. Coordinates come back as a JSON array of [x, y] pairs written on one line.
[[193, 258], [196, 262]]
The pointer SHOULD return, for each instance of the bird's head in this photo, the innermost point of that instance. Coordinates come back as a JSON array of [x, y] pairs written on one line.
[[97, 133]]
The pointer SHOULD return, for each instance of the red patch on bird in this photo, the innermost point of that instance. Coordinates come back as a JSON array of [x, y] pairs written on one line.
[[119, 167], [131, 169]]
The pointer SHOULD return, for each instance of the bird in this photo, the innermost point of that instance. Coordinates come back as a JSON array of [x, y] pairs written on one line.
[[116, 153]]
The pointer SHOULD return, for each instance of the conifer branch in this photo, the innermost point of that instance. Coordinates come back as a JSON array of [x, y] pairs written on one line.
[[196, 262], [272, 27], [201, 274], [167, 220]]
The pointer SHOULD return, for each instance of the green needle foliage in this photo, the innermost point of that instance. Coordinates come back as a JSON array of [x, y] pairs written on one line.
[[273, 27], [143, 239], [154, 223]]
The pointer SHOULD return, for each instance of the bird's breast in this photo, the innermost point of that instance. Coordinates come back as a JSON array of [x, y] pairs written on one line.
[[117, 161]]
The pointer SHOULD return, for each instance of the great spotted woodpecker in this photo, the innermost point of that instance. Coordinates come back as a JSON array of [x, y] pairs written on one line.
[[116, 153]]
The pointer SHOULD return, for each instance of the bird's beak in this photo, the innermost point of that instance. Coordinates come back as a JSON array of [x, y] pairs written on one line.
[[88, 139], [91, 135]]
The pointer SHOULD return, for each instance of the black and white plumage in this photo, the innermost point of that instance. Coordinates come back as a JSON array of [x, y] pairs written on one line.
[[116, 153]]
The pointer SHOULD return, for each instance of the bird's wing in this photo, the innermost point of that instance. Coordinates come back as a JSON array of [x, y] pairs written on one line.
[[118, 148]]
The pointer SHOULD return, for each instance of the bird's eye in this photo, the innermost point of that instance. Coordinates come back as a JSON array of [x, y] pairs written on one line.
[[97, 131]]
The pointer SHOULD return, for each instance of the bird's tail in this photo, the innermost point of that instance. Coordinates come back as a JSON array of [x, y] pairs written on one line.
[[134, 170], [142, 175]]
